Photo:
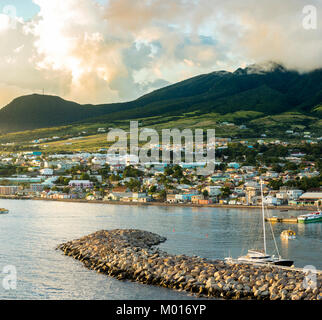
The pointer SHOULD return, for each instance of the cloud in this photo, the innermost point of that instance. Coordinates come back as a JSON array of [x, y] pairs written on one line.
[[273, 30], [98, 53]]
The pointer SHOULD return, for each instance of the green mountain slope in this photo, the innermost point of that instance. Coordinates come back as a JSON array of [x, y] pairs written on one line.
[[269, 89], [42, 111]]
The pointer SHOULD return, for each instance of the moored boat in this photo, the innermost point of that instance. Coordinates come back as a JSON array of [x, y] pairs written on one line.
[[310, 217], [4, 211], [288, 235], [262, 257]]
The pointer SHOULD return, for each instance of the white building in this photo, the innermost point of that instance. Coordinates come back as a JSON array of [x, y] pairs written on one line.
[[99, 161], [46, 172], [289, 194], [311, 198], [83, 184], [213, 190], [271, 201]]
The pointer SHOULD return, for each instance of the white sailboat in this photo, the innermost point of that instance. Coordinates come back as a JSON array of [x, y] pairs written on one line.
[[261, 256]]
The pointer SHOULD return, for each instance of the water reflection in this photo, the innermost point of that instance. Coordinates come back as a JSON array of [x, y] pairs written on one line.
[[33, 229]]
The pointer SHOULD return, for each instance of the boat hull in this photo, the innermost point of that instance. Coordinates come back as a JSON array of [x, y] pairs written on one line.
[[285, 263], [310, 220]]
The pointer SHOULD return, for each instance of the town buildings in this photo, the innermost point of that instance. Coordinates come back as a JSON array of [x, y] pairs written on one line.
[[102, 176]]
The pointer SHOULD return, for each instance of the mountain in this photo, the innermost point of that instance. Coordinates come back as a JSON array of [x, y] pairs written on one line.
[[42, 111], [267, 88]]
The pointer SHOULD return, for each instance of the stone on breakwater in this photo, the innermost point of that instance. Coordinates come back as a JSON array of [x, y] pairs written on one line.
[[131, 254]]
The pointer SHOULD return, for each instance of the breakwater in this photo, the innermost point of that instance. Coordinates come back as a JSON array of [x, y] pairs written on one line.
[[132, 255]]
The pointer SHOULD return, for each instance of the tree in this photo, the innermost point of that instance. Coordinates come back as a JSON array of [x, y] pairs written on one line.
[[115, 177], [134, 185], [104, 172], [205, 193], [275, 184], [130, 172], [20, 170], [277, 168], [262, 170], [221, 167], [168, 171], [185, 180], [291, 166], [84, 176], [177, 172], [66, 190], [152, 189], [62, 181], [163, 195], [225, 192], [7, 170]]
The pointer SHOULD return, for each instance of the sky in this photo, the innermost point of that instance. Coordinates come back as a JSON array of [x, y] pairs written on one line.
[[102, 51]]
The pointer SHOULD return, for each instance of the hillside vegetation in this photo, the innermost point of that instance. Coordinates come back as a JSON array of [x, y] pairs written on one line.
[[242, 104]]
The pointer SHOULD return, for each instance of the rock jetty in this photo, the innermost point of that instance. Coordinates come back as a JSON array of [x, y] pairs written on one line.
[[132, 254]]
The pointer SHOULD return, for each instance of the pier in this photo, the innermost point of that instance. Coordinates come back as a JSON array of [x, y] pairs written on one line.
[[282, 220]]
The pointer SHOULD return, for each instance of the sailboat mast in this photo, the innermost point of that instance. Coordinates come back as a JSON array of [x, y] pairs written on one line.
[[263, 214]]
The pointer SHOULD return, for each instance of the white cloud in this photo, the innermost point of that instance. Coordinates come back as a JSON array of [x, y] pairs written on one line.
[[98, 53]]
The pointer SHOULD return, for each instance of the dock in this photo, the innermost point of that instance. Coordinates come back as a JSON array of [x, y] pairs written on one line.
[[282, 220]]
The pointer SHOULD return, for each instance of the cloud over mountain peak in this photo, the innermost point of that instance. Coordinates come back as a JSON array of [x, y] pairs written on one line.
[[91, 52]]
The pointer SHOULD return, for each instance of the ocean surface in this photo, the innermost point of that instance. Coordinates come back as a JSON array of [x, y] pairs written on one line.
[[32, 230]]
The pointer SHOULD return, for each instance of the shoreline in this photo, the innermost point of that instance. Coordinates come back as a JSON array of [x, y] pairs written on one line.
[[165, 204]]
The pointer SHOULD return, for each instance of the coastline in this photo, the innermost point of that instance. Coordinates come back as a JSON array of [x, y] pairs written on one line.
[[165, 204]]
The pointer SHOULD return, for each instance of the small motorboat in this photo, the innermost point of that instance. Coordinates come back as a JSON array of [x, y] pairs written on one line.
[[288, 235], [4, 211]]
